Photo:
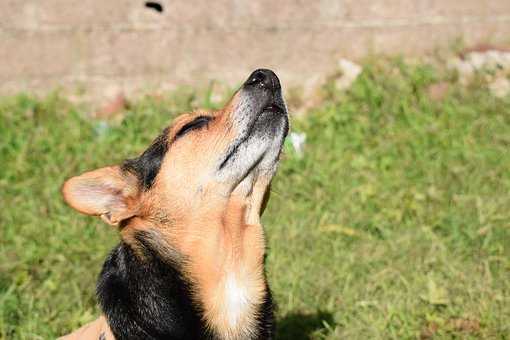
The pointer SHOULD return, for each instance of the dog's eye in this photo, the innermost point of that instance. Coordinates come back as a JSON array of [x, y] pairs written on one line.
[[196, 123]]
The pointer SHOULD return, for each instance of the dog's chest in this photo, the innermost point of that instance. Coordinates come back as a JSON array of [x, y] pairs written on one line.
[[237, 300], [232, 309]]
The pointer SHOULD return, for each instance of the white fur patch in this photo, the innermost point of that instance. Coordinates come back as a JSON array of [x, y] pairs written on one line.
[[237, 301]]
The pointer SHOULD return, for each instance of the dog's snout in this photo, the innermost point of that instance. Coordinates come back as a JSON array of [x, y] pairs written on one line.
[[264, 78]]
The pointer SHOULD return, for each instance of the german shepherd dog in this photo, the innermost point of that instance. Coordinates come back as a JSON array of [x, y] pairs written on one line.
[[190, 263]]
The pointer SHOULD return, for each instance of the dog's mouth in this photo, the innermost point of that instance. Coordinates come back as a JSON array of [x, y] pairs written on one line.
[[261, 119], [274, 109]]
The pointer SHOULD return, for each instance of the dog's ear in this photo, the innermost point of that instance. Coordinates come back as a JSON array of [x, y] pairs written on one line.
[[106, 192]]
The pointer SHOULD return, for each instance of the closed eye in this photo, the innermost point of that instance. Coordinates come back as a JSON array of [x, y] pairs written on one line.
[[196, 123]]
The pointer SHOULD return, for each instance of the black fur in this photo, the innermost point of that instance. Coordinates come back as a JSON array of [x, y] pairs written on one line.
[[150, 299], [196, 123], [147, 297], [265, 317], [147, 165]]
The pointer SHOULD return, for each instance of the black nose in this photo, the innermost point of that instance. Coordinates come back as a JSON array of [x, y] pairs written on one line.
[[263, 78]]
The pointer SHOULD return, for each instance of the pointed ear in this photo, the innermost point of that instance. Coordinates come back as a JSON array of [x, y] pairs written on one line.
[[106, 192]]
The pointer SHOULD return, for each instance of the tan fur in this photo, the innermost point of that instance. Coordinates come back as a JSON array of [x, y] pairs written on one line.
[[105, 192], [211, 227], [97, 330]]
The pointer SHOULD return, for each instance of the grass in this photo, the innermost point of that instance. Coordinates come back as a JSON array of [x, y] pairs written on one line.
[[393, 225]]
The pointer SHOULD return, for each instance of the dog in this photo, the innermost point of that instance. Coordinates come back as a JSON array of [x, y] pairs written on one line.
[[190, 262]]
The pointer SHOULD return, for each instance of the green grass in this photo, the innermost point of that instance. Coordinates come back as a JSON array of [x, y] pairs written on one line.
[[395, 224]]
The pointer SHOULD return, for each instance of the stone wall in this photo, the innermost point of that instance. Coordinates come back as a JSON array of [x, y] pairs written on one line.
[[105, 46]]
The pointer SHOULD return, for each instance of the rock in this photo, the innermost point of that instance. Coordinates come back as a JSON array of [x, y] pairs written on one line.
[[113, 109], [485, 59], [500, 87], [309, 95], [349, 72]]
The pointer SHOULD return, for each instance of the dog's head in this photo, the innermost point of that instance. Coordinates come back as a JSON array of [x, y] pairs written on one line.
[[201, 165]]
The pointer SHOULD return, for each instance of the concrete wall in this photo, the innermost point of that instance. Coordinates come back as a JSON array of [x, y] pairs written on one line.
[[107, 45]]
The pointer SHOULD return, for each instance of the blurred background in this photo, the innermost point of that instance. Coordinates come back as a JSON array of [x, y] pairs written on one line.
[[129, 46], [389, 216]]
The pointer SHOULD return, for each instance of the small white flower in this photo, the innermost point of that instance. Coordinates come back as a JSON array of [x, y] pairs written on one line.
[[297, 140]]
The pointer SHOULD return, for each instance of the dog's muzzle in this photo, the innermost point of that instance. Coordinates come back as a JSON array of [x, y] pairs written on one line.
[[264, 85]]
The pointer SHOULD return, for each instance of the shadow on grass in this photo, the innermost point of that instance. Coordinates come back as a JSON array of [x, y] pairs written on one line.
[[300, 326]]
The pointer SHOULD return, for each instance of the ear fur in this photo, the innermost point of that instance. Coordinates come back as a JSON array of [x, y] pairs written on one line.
[[107, 192]]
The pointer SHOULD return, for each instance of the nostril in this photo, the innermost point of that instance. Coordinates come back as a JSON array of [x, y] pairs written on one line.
[[257, 77], [263, 78]]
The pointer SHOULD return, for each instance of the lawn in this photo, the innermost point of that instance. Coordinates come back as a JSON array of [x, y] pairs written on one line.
[[393, 224]]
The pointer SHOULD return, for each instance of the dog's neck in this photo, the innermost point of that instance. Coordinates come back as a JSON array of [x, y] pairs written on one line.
[[226, 264], [146, 298], [218, 259]]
